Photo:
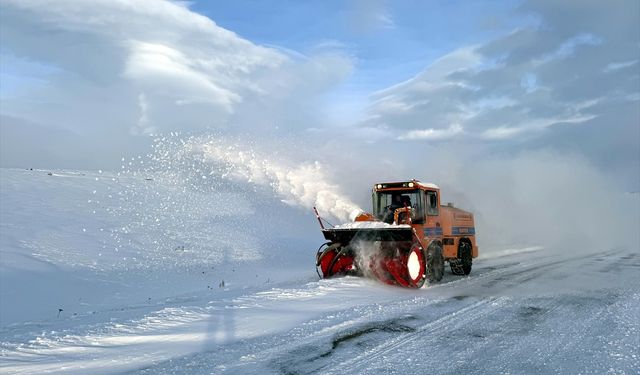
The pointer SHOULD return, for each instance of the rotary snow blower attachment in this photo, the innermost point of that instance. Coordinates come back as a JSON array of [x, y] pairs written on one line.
[[405, 241]]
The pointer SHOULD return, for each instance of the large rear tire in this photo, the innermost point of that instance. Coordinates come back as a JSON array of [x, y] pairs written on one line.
[[467, 259], [435, 263], [462, 265]]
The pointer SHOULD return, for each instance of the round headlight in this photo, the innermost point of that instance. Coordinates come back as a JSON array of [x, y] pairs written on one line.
[[410, 184], [379, 186]]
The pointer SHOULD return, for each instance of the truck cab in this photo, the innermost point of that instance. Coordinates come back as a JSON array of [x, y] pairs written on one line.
[[418, 204]]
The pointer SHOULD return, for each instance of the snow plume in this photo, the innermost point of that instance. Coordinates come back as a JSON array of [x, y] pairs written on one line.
[[208, 200], [305, 184], [165, 219]]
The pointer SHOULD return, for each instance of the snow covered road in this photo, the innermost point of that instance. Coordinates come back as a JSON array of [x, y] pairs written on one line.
[[105, 273], [522, 313]]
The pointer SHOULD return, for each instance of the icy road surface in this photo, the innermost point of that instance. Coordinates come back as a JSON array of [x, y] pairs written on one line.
[[536, 312]]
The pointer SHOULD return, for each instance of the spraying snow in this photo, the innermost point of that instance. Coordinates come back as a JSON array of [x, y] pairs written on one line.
[[182, 204], [304, 184]]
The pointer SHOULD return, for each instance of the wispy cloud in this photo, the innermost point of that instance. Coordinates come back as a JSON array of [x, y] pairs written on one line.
[[611, 67], [520, 84], [368, 16], [137, 67], [505, 133], [568, 47], [433, 134]]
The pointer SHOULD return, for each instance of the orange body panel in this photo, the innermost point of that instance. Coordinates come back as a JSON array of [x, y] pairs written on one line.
[[457, 224], [449, 226]]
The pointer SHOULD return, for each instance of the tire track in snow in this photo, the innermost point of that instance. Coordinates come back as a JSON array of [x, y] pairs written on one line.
[[345, 322], [455, 319], [311, 346], [293, 340], [466, 316], [450, 289]]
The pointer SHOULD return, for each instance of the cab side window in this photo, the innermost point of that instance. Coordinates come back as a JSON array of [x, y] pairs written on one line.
[[432, 203]]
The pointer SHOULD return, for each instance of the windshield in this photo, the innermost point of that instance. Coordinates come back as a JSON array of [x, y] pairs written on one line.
[[386, 202]]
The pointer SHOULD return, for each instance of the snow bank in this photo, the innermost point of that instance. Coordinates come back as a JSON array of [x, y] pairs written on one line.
[[83, 241]]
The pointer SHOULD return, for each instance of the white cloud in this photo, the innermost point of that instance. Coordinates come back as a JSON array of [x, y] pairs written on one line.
[[368, 16], [194, 74], [117, 69], [436, 75], [168, 71], [433, 134], [143, 121], [504, 132], [529, 82], [619, 65], [568, 47], [521, 84]]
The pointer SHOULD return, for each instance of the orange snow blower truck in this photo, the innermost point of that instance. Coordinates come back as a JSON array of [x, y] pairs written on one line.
[[405, 241]]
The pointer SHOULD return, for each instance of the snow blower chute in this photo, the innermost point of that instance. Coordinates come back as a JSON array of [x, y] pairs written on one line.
[[405, 242]]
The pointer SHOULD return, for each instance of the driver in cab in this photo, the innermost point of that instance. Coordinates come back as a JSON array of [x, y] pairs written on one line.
[[397, 201]]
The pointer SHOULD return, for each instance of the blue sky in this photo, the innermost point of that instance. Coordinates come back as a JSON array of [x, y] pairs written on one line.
[[82, 83], [390, 41]]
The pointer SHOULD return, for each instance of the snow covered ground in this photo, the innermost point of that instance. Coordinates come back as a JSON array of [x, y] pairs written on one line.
[[107, 273]]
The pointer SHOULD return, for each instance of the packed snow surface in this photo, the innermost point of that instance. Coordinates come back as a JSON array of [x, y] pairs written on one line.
[[103, 274]]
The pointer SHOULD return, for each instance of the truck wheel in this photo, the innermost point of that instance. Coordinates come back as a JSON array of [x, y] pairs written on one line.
[[435, 263], [467, 259], [462, 265]]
